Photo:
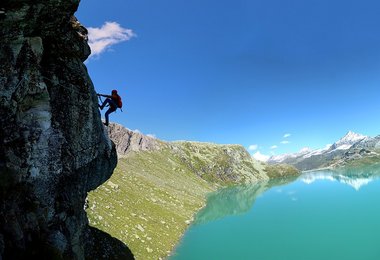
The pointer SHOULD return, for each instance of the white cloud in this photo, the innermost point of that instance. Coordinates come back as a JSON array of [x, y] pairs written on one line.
[[274, 147], [136, 131], [285, 142], [152, 136], [111, 33], [252, 147], [287, 135], [260, 157]]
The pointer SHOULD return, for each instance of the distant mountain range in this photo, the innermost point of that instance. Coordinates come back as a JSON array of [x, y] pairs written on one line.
[[350, 148]]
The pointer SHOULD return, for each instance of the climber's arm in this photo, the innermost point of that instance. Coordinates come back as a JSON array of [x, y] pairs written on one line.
[[102, 95]]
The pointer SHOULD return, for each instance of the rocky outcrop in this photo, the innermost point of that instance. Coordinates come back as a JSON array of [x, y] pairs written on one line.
[[128, 141], [53, 148]]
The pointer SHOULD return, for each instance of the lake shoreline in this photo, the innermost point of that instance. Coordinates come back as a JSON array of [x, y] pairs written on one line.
[[280, 181]]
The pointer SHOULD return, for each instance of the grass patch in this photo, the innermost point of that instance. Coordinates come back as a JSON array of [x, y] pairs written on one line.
[[281, 170], [148, 202]]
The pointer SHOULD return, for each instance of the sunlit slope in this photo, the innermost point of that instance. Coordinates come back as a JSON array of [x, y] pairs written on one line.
[[223, 164], [148, 202]]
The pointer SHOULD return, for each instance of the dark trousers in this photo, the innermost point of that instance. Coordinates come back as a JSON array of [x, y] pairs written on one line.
[[110, 110]]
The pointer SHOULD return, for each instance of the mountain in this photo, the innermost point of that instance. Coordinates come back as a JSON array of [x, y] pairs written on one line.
[[350, 147], [347, 141], [219, 163], [158, 187]]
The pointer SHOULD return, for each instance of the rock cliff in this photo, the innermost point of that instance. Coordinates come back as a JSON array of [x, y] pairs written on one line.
[[53, 147]]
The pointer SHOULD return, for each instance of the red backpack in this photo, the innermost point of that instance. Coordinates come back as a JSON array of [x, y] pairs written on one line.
[[119, 103]]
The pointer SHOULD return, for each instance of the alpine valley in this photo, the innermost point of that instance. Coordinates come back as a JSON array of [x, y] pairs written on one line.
[[158, 187]]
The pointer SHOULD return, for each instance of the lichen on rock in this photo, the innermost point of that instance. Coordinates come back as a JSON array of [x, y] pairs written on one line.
[[53, 146]]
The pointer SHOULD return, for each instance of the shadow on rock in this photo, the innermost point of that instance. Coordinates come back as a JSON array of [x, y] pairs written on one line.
[[103, 246]]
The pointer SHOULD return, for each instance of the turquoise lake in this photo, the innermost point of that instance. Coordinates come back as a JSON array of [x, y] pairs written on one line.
[[320, 215]]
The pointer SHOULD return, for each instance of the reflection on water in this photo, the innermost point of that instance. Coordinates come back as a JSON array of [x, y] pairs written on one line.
[[355, 182], [235, 200], [240, 199], [355, 177]]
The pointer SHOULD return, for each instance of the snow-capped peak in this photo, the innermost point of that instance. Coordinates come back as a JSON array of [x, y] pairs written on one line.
[[317, 151], [344, 143], [350, 138], [282, 157]]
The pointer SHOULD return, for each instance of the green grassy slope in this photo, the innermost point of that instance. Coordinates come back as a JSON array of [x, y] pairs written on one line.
[[148, 202], [223, 164], [153, 195], [281, 170]]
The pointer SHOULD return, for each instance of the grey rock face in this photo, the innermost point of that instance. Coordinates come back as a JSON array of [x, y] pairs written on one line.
[[127, 141], [53, 147], [370, 143]]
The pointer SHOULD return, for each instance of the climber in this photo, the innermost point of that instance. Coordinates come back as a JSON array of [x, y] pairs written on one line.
[[114, 102]]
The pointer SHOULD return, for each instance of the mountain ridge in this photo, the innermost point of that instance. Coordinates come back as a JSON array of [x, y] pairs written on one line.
[[128, 141], [351, 147]]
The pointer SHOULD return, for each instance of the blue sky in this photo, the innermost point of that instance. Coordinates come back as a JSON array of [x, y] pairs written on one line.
[[245, 72]]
